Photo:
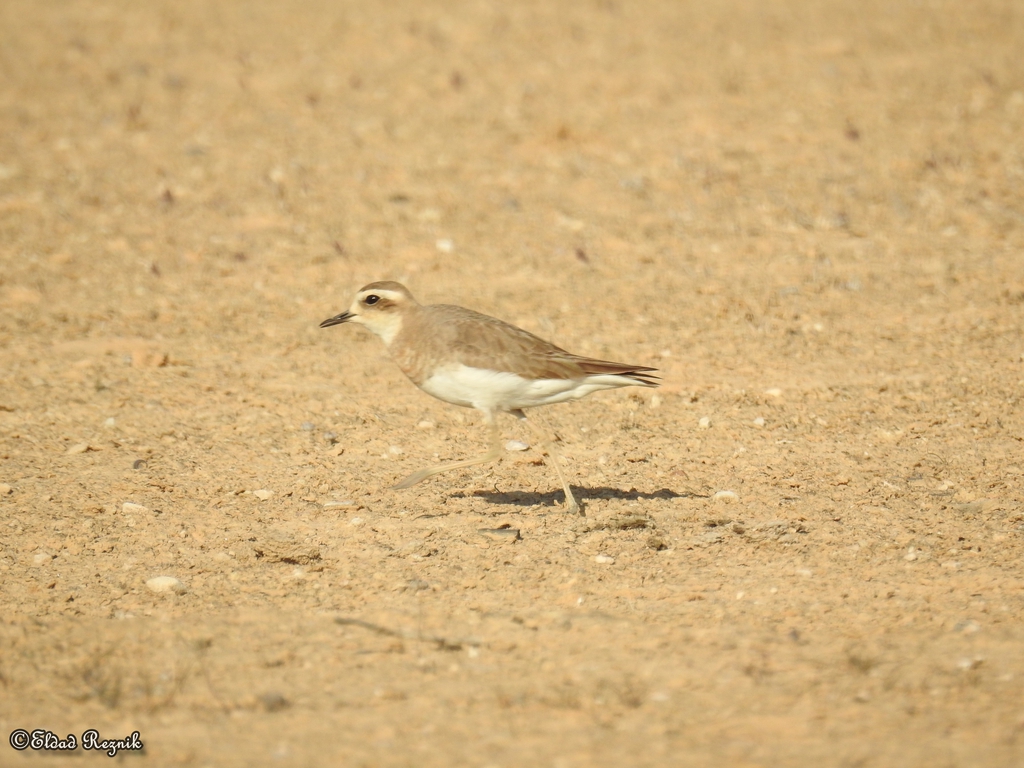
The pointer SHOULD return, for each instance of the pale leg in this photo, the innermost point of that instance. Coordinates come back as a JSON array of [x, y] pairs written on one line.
[[492, 454], [572, 507]]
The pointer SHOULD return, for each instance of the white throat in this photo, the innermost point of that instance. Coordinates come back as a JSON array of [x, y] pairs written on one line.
[[387, 328]]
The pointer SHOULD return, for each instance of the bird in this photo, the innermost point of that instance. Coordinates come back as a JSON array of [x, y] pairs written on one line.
[[469, 359]]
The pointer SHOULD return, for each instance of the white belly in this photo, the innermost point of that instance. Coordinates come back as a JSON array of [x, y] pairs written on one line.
[[502, 391]]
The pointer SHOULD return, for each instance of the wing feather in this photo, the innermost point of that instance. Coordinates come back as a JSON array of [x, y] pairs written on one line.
[[481, 341]]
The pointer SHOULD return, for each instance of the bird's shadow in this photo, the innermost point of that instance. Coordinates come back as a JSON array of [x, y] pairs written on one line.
[[554, 498]]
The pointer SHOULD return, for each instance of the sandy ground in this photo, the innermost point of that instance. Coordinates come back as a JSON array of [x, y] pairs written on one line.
[[808, 215]]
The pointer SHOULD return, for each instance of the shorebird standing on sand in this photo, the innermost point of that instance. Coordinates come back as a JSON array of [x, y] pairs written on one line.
[[476, 361]]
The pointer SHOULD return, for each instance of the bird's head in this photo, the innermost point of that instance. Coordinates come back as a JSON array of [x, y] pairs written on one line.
[[378, 306]]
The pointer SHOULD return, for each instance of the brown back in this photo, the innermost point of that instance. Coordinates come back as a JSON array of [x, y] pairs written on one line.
[[480, 341]]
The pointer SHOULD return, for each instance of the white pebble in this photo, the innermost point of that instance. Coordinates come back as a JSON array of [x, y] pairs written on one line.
[[396, 450], [444, 245], [604, 559], [162, 584], [759, 421], [773, 392], [41, 558], [109, 423], [335, 503], [655, 402], [262, 494], [78, 448], [425, 424], [356, 521], [704, 423], [726, 497], [130, 507], [5, 489], [516, 445]]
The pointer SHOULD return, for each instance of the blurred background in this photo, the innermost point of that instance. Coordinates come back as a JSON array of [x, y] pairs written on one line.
[[291, 152]]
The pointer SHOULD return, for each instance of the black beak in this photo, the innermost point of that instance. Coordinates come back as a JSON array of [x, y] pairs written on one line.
[[344, 317]]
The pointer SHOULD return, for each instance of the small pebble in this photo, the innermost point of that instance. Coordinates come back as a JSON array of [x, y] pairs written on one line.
[[444, 245], [516, 445], [109, 423], [655, 402], [396, 450], [425, 424], [726, 497], [273, 702], [503, 533], [41, 558], [331, 437], [139, 464], [5, 489], [262, 494], [968, 664], [308, 426], [130, 507], [78, 448], [773, 392], [335, 503], [162, 584], [604, 559], [704, 423], [759, 421]]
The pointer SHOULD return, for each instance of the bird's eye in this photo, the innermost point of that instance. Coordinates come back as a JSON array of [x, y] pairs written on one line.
[[371, 300]]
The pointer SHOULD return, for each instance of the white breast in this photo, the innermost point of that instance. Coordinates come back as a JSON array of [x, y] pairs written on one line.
[[499, 390]]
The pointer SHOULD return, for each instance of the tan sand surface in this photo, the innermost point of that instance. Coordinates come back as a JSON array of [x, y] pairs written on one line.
[[804, 549]]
